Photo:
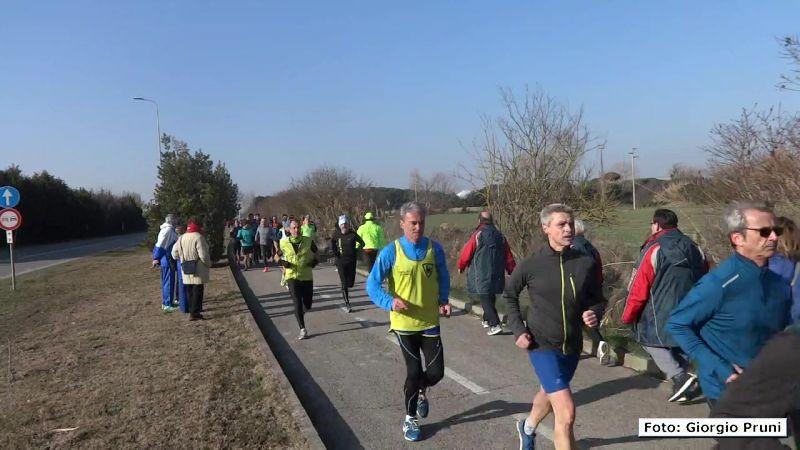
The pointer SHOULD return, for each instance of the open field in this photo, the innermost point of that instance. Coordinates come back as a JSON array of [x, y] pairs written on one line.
[[89, 360]]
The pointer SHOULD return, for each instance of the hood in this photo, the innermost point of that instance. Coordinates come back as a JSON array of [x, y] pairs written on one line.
[[166, 225]]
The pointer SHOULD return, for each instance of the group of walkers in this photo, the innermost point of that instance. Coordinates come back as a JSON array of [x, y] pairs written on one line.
[[181, 252]]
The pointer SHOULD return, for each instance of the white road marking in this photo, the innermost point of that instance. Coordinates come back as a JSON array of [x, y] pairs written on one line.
[[452, 374]]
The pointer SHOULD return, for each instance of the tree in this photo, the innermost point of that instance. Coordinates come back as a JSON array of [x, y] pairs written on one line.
[[328, 192], [191, 185], [529, 157], [435, 192], [791, 51]]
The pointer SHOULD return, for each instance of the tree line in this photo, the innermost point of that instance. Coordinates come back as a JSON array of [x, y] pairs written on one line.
[[54, 212]]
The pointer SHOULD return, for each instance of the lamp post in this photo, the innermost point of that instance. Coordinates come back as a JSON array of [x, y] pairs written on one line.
[[158, 121]]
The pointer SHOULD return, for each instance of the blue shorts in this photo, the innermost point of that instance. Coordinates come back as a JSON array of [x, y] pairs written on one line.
[[554, 369]]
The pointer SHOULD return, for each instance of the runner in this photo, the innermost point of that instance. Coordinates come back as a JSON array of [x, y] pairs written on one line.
[[309, 228], [299, 258], [418, 290], [372, 234], [343, 244], [247, 236], [565, 293]]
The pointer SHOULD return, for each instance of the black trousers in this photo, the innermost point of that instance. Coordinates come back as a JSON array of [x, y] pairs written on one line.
[[418, 378], [489, 310], [256, 253], [266, 252], [347, 273], [302, 294], [370, 255], [194, 295]]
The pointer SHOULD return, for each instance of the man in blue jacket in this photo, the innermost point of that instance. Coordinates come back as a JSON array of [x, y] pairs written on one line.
[[727, 317]]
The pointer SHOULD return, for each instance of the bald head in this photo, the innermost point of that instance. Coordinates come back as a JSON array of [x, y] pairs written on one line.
[[485, 218]]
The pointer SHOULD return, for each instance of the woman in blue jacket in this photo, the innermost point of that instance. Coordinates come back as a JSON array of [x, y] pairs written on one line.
[[785, 262]]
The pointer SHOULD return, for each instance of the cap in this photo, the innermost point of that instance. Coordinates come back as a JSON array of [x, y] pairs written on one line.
[[342, 219], [368, 216]]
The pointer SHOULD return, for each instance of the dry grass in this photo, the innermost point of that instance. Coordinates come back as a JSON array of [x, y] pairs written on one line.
[[84, 345]]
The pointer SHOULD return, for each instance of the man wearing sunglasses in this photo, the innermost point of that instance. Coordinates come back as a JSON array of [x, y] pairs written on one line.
[[727, 317]]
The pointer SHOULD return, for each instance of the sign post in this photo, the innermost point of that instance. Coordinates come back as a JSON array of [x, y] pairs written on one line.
[[10, 220]]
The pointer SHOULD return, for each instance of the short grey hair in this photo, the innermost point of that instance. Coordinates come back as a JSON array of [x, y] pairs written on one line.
[[552, 208], [412, 207], [735, 220], [171, 219], [580, 227]]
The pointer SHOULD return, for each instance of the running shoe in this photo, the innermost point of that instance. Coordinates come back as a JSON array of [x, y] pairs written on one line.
[[168, 309], [692, 393], [266, 269], [485, 324], [422, 404], [303, 334], [497, 329], [604, 354], [411, 429], [526, 441], [680, 384]]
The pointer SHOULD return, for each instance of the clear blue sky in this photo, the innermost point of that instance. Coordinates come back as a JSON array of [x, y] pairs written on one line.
[[276, 88]]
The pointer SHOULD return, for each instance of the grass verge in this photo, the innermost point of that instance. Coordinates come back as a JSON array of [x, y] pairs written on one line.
[[88, 359]]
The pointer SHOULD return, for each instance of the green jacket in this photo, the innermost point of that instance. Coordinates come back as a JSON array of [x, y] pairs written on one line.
[[300, 261], [372, 234]]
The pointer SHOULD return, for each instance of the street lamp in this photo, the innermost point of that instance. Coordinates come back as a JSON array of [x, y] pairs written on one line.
[[634, 155], [158, 121]]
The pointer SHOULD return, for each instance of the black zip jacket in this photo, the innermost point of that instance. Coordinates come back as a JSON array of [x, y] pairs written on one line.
[[561, 286], [343, 246]]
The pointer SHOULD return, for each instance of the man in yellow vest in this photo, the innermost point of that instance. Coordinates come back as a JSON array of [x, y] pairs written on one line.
[[299, 257], [418, 292]]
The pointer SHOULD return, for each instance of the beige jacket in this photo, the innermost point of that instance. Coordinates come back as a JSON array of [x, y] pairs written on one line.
[[191, 246]]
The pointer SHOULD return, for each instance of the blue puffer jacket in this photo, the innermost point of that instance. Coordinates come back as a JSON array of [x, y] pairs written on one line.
[[727, 317]]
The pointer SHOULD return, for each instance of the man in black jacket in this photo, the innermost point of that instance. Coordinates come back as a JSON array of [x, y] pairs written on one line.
[[566, 293], [343, 245]]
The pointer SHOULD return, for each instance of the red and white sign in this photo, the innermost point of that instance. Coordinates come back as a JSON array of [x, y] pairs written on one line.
[[10, 219]]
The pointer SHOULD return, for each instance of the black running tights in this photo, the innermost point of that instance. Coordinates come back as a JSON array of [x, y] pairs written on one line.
[[417, 378], [302, 293]]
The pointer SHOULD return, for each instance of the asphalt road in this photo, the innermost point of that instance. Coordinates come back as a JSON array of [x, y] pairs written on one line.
[[36, 257], [349, 376]]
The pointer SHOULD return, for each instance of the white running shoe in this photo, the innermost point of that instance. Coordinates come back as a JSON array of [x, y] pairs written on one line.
[[303, 334]]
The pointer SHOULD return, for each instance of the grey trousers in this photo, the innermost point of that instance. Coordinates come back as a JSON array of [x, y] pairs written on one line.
[[671, 361]]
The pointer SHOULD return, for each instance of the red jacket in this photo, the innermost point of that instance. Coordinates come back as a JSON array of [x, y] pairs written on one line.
[[642, 281], [469, 251]]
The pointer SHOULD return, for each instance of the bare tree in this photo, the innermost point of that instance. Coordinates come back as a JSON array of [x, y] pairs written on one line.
[[527, 158], [433, 191], [328, 192], [791, 51]]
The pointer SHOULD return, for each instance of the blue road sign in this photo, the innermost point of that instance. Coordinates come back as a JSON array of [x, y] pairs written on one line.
[[9, 197]]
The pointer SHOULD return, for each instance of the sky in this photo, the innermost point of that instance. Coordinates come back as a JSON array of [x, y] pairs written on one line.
[[274, 89]]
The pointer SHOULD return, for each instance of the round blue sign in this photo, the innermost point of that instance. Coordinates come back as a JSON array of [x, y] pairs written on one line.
[[9, 197]]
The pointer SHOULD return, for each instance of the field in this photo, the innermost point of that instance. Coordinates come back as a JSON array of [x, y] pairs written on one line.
[[89, 360]]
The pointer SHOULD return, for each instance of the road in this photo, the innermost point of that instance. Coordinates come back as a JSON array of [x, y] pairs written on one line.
[[36, 257], [349, 376]]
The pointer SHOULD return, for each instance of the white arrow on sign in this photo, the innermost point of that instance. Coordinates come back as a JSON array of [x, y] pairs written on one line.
[[7, 194]]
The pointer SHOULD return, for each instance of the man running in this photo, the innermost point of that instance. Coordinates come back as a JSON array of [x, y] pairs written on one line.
[[418, 292], [727, 317], [372, 234], [299, 259], [565, 292]]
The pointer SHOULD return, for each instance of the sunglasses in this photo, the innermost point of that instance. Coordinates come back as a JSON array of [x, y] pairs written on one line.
[[767, 231]]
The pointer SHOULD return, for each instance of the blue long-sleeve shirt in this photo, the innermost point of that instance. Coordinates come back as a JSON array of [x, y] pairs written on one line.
[[414, 251], [727, 317]]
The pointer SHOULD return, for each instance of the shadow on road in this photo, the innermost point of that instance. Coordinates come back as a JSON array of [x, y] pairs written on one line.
[[331, 427], [486, 411], [613, 387]]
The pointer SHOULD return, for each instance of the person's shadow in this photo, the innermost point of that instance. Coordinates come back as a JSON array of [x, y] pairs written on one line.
[[486, 411]]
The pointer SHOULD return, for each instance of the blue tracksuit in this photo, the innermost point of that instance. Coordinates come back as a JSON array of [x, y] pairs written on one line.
[[727, 317], [163, 253]]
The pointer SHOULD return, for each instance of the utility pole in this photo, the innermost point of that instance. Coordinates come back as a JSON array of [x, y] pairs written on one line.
[[633, 174], [602, 175]]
